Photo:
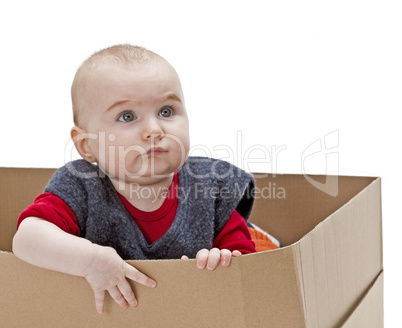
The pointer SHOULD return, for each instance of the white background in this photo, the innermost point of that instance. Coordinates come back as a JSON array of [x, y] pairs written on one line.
[[280, 74]]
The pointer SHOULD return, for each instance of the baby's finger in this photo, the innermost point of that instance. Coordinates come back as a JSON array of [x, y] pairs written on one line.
[[226, 256], [184, 257], [202, 258], [99, 300], [213, 258], [133, 274], [118, 297], [128, 294], [236, 253]]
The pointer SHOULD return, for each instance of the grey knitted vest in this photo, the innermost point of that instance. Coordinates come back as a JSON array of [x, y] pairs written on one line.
[[208, 192]]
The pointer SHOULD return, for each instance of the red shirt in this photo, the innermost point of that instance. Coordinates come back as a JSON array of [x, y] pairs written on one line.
[[234, 235]]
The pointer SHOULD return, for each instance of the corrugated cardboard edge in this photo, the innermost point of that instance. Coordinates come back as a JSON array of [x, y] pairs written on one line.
[[369, 313], [297, 258], [324, 292]]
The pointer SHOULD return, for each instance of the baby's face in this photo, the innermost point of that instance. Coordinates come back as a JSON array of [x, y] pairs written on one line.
[[137, 120]]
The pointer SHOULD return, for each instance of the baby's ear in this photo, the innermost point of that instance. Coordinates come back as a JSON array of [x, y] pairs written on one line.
[[81, 142]]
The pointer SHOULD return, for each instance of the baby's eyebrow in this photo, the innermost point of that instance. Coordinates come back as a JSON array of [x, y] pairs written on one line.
[[171, 96], [117, 103]]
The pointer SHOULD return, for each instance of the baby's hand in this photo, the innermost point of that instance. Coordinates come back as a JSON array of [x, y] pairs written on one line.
[[212, 258], [108, 271]]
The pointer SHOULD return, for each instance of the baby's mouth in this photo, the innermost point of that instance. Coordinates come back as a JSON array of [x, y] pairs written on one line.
[[155, 151]]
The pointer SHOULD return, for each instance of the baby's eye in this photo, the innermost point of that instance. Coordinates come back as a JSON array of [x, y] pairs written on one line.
[[127, 117], [166, 112]]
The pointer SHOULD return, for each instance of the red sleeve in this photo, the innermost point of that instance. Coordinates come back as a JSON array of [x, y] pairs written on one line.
[[51, 208], [235, 236]]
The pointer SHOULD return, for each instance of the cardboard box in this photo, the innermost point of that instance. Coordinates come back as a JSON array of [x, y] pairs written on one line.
[[329, 274]]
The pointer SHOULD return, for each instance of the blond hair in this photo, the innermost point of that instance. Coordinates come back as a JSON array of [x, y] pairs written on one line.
[[118, 54]]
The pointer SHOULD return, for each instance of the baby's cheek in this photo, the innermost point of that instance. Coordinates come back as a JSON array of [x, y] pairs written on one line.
[[180, 146]]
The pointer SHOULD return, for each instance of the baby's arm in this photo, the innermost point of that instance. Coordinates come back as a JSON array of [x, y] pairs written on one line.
[[43, 244]]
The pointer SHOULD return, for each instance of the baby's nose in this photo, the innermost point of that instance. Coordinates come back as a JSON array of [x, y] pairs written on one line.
[[152, 130]]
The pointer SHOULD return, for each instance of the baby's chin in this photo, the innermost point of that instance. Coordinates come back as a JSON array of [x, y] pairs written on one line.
[[149, 177], [127, 184]]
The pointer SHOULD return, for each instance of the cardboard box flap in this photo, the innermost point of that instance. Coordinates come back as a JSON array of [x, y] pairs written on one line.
[[288, 206], [340, 257]]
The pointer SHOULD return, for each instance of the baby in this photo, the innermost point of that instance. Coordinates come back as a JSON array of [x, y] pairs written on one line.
[[136, 194]]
